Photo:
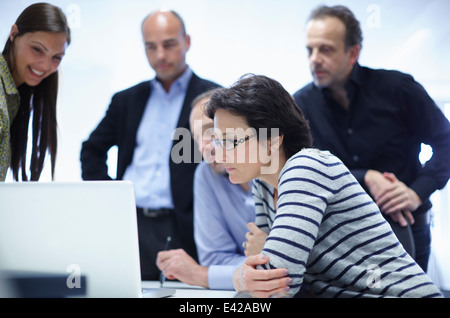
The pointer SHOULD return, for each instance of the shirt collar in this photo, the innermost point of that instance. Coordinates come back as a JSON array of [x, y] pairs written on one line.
[[355, 75], [8, 81], [182, 81], [355, 78]]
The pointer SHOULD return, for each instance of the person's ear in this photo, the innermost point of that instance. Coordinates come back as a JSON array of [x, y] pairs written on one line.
[[14, 32], [354, 53], [276, 142], [188, 42]]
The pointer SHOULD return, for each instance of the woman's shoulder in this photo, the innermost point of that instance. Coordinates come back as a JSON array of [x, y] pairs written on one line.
[[314, 163], [313, 157]]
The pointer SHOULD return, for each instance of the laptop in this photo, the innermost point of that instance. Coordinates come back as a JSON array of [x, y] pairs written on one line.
[[85, 231]]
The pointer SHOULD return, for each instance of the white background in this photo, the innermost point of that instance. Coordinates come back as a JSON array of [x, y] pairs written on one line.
[[231, 38]]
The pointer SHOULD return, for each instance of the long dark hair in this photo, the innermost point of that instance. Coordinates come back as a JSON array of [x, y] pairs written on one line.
[[40, 100], [264, 103]]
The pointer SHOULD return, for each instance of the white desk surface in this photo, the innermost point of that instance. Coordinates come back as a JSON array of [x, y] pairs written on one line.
[[186, 291]]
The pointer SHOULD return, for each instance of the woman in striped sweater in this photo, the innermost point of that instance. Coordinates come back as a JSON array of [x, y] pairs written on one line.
[[324, 230]]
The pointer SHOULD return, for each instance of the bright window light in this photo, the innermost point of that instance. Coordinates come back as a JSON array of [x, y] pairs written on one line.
[[447, 110], [425, 153]]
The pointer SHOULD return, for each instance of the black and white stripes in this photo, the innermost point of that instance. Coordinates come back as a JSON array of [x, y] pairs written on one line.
[[328, 232]]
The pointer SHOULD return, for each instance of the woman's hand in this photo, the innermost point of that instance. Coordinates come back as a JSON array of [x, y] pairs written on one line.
[[256, 238], [261, 283]]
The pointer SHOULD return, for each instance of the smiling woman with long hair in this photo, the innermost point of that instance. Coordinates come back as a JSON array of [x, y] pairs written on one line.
[[29, 87], [324, 230]]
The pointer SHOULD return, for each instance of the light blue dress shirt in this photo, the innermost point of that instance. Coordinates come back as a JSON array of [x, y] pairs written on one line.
[[222, 211], [149, 170]]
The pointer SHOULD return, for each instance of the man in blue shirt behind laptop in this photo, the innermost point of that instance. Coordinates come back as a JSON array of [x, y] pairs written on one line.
[[222, 212]]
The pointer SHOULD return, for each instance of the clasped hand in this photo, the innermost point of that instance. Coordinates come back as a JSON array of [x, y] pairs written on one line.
[[392, 196]]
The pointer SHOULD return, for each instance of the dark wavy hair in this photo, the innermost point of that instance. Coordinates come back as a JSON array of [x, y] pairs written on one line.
[[264, 103], [353, 33], [39, 100]]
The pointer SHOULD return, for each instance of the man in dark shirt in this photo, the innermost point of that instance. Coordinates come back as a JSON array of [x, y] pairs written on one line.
[[375, 121]]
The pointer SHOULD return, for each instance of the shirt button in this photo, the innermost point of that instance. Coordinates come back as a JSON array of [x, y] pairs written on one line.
[[350, 131], [355, 158]]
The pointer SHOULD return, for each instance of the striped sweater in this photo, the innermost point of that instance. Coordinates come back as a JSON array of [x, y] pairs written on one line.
[[327, 231]]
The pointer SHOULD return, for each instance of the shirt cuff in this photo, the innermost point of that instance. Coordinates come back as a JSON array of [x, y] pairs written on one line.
[[424, 187], [221, 276]]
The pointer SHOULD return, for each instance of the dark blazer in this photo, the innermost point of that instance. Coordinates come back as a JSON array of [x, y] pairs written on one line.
[[119, 128]]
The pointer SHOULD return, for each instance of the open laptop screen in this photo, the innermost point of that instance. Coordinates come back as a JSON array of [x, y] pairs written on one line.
[[81, 229]]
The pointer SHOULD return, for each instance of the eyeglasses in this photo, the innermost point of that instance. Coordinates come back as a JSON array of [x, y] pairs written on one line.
[[229, 144]]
